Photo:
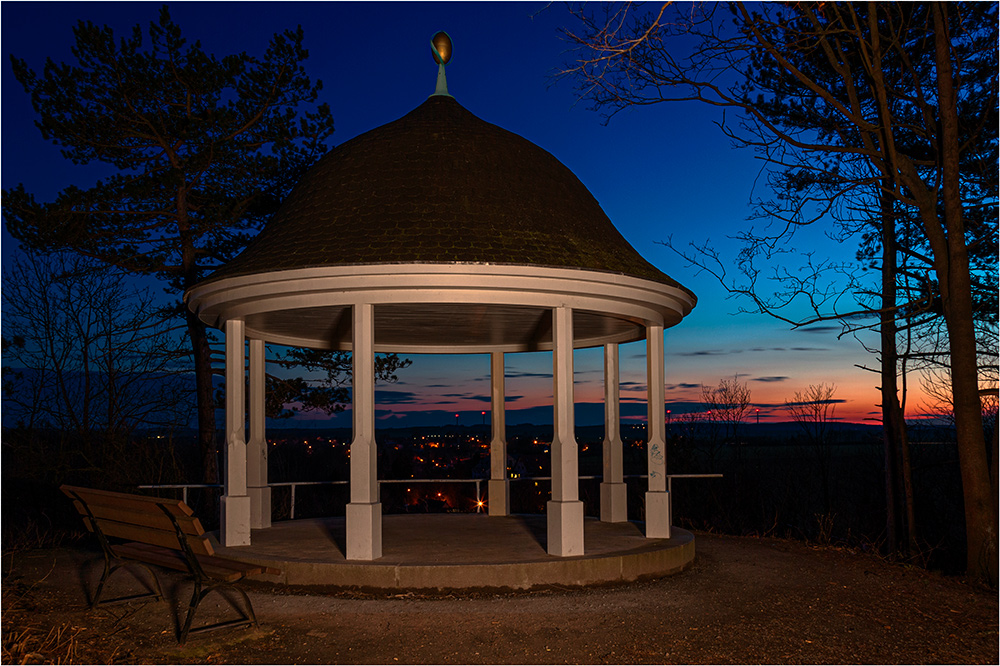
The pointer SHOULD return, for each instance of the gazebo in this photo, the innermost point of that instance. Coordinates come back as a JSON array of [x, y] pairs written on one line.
[[441, 233]]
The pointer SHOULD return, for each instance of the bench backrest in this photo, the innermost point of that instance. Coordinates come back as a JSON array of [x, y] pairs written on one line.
[[139, 518]]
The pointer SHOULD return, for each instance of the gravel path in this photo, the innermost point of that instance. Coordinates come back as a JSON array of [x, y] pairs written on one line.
[[745, 600]]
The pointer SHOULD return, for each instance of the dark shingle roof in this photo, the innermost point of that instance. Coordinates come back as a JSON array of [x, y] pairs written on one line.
[[439, 185]]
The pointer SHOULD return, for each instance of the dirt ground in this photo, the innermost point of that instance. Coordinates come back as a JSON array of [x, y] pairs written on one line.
[[744, 600]]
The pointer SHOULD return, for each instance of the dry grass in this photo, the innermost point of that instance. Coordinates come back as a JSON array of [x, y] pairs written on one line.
[[26, 641], [31, 646]]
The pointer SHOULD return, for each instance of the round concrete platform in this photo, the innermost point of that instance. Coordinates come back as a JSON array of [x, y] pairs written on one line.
[[462, 552]]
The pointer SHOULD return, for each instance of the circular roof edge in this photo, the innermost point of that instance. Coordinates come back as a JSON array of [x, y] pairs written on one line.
[[439, 307]]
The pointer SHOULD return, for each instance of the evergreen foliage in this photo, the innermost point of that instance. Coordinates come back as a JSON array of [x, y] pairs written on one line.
[[203, 149]]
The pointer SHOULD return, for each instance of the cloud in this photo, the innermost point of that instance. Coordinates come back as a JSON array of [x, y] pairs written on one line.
[[819, 329], [528, 374], [467, 396], [805, 403], [685, 407], [682, 386], [722, 352], [390, 397], [632, 386], [810, 349], [769, 379]]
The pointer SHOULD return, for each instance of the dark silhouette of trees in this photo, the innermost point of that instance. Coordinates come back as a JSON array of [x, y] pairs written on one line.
[[203, 149], [328, 387], [88, 363], [813, 410], [877, 118], [728, 404]]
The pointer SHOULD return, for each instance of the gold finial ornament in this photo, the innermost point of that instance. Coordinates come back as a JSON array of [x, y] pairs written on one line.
[[441, 45]]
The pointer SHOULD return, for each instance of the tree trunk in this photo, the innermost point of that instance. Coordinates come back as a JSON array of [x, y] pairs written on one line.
[[980, 507], [891, 412], [199, 345], [907, 478], [956, 298], [206, 399]]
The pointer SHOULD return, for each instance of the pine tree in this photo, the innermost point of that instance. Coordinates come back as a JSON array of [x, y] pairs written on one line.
[[203, 149]]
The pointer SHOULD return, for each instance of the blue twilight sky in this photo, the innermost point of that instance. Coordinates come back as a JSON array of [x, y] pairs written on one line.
[[657, 171]]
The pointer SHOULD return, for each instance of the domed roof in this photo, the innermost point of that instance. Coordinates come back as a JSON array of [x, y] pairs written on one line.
[[462, 236], [439, 185]]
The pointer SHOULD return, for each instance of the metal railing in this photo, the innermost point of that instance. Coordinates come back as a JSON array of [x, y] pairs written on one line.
[[670, 477], [295, 484], [184, 487], [478, 482]]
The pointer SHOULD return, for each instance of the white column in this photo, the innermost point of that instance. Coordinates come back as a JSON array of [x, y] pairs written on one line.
[[657, 498], [257, 488], [565, 510], [234, 521], [364, 513], [499, 484], [614, 502]]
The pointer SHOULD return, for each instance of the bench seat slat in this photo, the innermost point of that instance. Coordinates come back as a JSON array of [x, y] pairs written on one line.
[[214, 567], [245, 567]]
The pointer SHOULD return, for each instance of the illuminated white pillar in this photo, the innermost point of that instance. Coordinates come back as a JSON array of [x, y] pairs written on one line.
[[364, 513], [565, 510], [657, 497], [499, 484], [614, 497], [257, 488], [234, 521]]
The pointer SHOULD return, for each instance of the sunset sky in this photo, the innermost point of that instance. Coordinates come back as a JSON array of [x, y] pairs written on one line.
[[658, 172]]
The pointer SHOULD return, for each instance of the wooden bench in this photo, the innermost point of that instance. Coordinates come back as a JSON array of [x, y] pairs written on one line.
[[164, 533]]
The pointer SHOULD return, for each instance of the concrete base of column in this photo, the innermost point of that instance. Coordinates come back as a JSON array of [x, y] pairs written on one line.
[[234, 520], [614, 503], [260, 507], [499, 497], [565, 528], [658, 515], [364, 531]]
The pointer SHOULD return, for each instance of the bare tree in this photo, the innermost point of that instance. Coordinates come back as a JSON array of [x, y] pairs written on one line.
[[895, 102], [813, 409], [89, 355], [728, 404]]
